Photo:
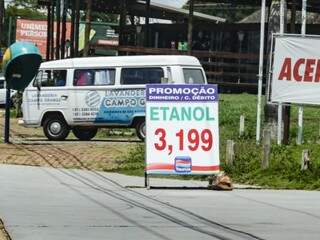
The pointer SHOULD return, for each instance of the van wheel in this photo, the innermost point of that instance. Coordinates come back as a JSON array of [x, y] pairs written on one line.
[[55, 128], [141, 129], [84, 134]]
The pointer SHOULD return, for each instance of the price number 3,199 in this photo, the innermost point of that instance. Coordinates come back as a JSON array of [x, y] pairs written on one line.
[[192, 140]]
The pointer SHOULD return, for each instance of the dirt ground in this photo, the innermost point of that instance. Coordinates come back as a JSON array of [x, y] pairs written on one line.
[[3, 233], [30, 147]]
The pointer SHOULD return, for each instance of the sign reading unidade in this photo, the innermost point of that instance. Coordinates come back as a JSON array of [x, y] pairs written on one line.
[[36, 31], [296, 70], [182, 129]]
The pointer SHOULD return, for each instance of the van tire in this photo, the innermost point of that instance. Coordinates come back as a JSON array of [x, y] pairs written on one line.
[[84, 134], [141, 129], [55, 128]]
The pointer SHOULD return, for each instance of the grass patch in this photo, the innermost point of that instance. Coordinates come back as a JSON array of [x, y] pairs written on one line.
[[284, 171], [116, 132], [133, 162]]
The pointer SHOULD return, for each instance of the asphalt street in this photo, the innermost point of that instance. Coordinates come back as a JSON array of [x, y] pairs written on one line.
[[54, 204]]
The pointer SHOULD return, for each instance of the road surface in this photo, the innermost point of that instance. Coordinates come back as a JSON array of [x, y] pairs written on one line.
[[55, 204]]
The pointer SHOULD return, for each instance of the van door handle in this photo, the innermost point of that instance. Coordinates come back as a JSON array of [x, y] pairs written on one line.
[[64, 97]]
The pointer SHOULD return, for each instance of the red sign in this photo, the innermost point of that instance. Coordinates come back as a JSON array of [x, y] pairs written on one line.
[[36, 31]]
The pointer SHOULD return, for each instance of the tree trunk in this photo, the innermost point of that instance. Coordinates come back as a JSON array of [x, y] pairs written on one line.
[[87, 29], [1, 21], [17, 102], [190, 26]]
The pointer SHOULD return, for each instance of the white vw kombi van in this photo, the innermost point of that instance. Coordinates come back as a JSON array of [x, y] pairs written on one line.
[[84, 94]]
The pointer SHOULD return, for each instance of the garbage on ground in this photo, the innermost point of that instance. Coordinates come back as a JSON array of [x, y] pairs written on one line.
[[220, 182]]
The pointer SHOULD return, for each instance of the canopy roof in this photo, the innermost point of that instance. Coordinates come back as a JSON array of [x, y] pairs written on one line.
[[312, 5], [165, 11], [137, 8]]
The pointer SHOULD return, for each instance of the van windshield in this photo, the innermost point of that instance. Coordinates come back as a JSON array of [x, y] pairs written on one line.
[[193, 76]]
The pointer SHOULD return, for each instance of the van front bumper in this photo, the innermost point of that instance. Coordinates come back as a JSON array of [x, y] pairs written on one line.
[[28, 124]]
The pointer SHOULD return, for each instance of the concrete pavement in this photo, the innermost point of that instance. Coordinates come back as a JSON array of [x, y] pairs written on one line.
[[44, 203]]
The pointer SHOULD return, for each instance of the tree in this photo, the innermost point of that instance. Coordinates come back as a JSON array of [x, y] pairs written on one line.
[[25, 9], [87, 28]]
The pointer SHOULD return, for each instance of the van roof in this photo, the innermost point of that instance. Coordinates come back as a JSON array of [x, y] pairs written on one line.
[[118, 61]]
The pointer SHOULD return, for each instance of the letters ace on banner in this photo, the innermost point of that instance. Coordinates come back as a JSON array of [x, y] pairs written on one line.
[[296, 70], [182, 129]]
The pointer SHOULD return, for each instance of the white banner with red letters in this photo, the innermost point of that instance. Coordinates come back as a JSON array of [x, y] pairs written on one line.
[[296, 70]]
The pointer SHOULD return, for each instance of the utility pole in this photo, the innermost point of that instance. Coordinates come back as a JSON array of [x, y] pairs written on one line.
[[87, 29]]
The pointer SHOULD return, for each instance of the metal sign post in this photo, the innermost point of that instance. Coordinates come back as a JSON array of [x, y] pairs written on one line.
[[279, 130], [7, 116], [300, 110], [262, 30]]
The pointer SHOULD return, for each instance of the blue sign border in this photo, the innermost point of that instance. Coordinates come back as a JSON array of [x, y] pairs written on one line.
[[182, 93]]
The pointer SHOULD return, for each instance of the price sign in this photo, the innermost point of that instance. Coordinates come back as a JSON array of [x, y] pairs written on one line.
[[182, 129]]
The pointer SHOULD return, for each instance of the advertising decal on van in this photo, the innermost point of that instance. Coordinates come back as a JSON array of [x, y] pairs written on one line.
[[116, 106], [48, 99]]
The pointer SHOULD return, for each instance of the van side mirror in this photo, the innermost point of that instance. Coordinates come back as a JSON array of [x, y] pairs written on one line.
[[38, 84]]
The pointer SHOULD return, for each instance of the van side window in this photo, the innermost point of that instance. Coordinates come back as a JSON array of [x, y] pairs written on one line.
[[94, 77], [51, 78], [130, 76], [193, 75]]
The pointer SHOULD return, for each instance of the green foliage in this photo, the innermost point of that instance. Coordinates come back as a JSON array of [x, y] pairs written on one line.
[[132, 163], [28, 9], [231, 107], [103, 17], [17, 102], [24, 3], [284, 171], [116, 132]]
